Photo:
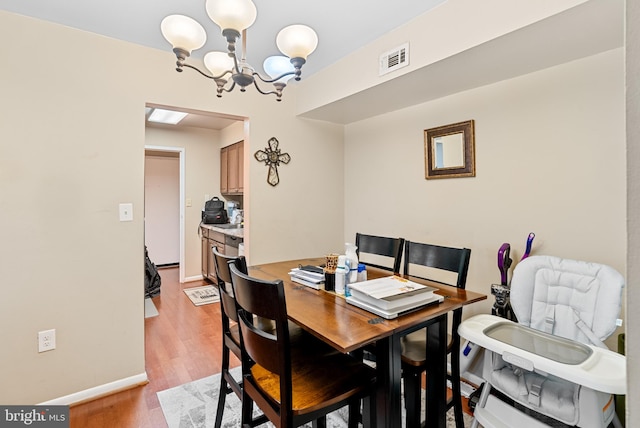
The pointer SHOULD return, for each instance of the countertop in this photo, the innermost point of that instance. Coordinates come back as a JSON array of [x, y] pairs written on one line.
[[238, 232]]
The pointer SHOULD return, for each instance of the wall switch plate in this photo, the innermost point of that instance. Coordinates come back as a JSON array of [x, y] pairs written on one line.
[[46, 340], [126, 212], [188, 202]]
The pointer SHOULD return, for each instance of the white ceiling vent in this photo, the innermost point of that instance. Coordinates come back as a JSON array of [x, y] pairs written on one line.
[[394, 59]]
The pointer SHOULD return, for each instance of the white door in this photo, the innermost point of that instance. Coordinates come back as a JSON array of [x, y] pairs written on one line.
[[162, 207]]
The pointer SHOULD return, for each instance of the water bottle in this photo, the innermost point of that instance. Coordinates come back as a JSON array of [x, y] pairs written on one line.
[[350, 253], [347, 278], [341, 273]]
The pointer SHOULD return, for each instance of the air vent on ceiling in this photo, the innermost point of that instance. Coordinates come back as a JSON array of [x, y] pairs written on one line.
[[394, 59]]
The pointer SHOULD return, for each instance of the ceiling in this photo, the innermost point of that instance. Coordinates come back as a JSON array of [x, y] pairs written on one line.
[[343, 27]]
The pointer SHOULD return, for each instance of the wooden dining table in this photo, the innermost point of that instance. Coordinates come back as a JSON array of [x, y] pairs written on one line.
[[347, 328]]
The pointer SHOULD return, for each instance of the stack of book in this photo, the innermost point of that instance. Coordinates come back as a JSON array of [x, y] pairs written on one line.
[[391, 296], [308, 278]]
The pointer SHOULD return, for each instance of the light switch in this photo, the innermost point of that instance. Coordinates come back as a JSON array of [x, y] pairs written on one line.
[[188, 202], [126, 212]]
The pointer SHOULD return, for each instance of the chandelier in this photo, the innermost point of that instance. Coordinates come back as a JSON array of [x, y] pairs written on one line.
[[226, 70]]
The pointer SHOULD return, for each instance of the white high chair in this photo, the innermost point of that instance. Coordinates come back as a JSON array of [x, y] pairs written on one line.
[[553, 361]]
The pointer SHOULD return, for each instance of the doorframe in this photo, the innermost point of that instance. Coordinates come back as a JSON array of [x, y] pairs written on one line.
[[181, 157]]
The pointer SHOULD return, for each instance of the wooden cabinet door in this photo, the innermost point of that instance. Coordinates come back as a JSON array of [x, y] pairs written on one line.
[[211, 273], [224, 170], [232, 168], [241, 167], [205, 258]]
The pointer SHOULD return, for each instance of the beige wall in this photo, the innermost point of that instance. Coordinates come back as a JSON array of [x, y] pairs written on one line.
[[450, 28], [549, 150], [72, 143], [633, 212], [232, 134], [202, 177]]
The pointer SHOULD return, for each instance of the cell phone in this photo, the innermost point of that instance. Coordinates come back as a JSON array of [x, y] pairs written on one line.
[[311, 268]]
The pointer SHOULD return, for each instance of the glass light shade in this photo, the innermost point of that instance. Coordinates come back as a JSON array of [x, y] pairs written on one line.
[[183, 32], [232, 14], [218, 62], [274, 66], [297, 41]]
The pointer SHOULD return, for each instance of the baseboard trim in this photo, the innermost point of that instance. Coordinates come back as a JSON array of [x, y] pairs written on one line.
[[194, 278], [168, 265], [99, 391]]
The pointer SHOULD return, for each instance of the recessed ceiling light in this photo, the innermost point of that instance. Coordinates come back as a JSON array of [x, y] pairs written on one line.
[[166, 116]]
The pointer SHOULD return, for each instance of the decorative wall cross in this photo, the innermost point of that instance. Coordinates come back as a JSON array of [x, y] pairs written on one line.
[[272, 157]]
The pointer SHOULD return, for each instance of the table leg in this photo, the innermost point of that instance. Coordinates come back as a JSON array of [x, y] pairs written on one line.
[[388, 391], [436, 405]]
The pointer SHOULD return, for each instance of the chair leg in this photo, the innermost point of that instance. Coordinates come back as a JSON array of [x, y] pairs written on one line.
[[412, 397], [224, 388], [368, 412], [354, 414], [247, 410], [222, 395], [320, 422], [455, 388]]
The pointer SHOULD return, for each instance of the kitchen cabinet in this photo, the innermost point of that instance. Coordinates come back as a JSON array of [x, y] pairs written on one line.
[[210, 239], [232, 169]]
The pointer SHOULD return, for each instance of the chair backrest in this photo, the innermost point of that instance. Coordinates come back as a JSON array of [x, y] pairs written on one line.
[[380, 246], [573, 299], [264, 299], [224, 280], [449, 259]]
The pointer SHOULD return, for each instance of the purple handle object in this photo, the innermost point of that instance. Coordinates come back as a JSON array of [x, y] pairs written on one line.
[[504, 262], [528, 249]]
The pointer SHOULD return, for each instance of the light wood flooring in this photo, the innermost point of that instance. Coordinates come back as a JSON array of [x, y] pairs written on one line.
[[182, 344]]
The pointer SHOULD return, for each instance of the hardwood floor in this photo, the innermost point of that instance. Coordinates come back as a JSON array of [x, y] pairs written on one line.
[[182, 344]]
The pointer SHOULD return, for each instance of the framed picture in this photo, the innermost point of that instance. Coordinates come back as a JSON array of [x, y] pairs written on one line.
[[450, 151]]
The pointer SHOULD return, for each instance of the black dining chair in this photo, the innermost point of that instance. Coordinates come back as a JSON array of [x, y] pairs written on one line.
[[391, 248], [292, 385], [230, 330], [414, 358]]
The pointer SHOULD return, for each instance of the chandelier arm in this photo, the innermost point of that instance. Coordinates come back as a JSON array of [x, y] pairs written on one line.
[[198, 70], [255, 83], [235, 62], [275, 79], [277, 92], [203, 73], [230, 88]]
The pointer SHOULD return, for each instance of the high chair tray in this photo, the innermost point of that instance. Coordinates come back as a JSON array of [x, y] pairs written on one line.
[[596, 368]]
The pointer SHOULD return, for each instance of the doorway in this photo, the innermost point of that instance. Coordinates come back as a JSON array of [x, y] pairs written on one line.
[[164, 206]]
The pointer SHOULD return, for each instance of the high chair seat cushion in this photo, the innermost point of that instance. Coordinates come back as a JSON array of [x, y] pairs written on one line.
[[554, 295]]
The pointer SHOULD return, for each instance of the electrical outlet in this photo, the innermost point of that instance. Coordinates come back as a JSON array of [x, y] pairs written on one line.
[[46, 340]]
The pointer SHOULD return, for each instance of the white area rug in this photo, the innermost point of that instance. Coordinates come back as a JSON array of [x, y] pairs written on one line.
[[202, 295], [150, 309], [193, 405]]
